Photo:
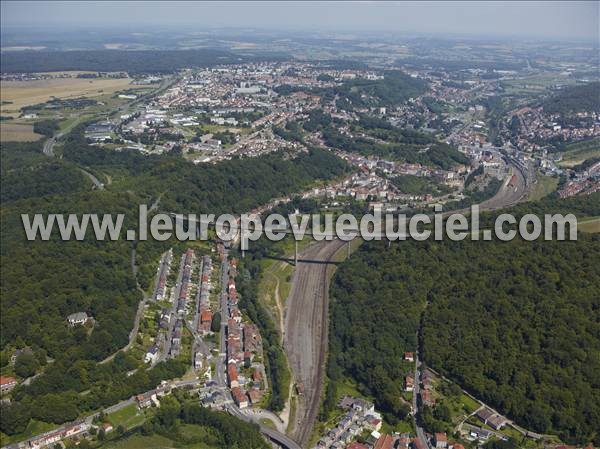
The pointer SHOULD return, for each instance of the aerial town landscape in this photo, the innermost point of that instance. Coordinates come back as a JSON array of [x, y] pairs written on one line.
[[316, 343]]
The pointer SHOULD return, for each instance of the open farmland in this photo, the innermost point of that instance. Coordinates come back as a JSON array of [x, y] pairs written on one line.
[[28, 93], [17, 132]]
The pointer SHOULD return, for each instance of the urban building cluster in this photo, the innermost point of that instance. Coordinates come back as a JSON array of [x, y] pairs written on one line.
[[245, 370]]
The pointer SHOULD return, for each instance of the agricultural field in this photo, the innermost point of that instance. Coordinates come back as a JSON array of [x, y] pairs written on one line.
[[17, 132], [18, 94]]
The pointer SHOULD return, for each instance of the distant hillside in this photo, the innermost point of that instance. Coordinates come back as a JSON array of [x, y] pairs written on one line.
[[133, 62], [574, 99]]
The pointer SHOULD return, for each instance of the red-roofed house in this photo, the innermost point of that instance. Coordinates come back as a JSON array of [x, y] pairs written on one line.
[[384, 442], [418, 444], [7, 383], [255, 396], [441, 440], [357, 446], [232, 375], [239, 397]]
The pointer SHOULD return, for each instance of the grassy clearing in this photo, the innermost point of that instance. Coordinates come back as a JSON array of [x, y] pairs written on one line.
[[543, 187], [127, 417], [293, 410], [578, 152], [267, 422], [590, 224]]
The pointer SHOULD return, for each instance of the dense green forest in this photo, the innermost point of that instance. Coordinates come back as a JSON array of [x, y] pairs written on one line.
[[57, 396], [44, 281], [133, 61], [515, 324], [26, 173], [583, 98]]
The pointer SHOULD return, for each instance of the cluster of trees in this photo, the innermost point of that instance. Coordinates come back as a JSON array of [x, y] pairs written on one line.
[[61, 103], [372, 324], [410, 149], [45, 127], [581, 98], [515, 323], [418, 185], [231, 431], [26, 173], [56, 397], [133, 62], [187, 424], [226, 137], [395, 88]]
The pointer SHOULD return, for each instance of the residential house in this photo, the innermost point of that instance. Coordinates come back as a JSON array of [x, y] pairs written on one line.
[[151, 355], [78, 318], [418, 444], [255, 396], [441, 440], [357, 446], [232, 375], [427, 398], [26, 350], [409, 384], [239, 397], [7, 383], [144, 400], [384, 442]]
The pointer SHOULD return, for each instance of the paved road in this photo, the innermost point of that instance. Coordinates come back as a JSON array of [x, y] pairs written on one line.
[[306, 331], [99, 185], [281, 439]]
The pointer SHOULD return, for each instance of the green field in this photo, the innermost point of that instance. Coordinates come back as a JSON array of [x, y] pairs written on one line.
[[128, 417], [590, 224], [576, 153], [544, 186]]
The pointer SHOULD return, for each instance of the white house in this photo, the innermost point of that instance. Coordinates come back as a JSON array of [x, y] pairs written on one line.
[[78, 318], [151, 355]]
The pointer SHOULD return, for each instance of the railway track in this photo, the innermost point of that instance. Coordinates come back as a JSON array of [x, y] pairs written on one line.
[[306, 331]]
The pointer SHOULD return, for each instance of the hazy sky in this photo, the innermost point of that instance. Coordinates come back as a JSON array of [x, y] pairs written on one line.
[[576, 20]]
